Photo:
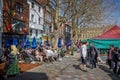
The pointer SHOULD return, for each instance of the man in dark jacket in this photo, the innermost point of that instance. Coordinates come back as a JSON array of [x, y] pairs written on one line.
[[110, 57], [115, 60], [118, 56], [93, 54]]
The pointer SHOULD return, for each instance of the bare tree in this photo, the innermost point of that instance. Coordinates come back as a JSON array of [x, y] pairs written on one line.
[[84, 13]]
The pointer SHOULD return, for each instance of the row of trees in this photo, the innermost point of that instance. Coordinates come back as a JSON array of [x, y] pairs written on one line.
[[84, 13]]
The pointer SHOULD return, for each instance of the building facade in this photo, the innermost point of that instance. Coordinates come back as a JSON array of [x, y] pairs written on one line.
[[15, 19], [49, 20], [15, 16], [67, 32], [91, 32], [35, 20]]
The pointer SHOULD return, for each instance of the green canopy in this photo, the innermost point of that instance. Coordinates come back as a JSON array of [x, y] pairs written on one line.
[[112, 36], [105, 43]]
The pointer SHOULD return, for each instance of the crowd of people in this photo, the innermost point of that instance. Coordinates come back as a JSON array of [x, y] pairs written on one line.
[[91, 55], [88, 55], [12, 56]]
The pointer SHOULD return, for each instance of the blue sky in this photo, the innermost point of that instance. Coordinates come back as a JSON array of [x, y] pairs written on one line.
[[116, 12], [115, 15]]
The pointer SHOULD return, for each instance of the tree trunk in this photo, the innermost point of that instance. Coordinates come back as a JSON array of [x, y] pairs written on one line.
[[57, 23]]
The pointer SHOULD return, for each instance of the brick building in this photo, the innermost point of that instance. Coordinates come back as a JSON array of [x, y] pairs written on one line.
[[49, 20], [90, 32], [15, 18]]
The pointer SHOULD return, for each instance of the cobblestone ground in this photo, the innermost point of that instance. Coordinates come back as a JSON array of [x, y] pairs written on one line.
[[67, 69]]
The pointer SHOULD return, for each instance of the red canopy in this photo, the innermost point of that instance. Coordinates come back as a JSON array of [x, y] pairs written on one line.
[[113, 33]]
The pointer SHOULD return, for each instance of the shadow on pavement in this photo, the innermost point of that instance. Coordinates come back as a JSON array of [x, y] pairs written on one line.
[[79, 60], [105, 68], [114, 77], [30, 76], [76, 67], [110, 73]]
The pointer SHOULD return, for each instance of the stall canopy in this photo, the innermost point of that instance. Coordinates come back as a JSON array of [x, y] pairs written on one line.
[[113, 33], [34, 43], [103, 41], [15, 41], [27, 44]]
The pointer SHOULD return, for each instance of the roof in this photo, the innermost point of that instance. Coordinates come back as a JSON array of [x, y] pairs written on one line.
[[42, 2], [113, 33]]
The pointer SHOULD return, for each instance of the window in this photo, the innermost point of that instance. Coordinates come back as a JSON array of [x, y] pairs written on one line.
[[39, 9], [32, 5], [30, 32], [53, 4], [48, 17], [39, 20], [36, 32], [32, 17], [19, 7], [50, 29], [41, 31], [18, 25], [48, 9]]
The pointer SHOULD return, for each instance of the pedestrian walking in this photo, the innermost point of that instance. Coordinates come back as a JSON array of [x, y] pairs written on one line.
[[115, 60], [109, 57], [84, 56], [118, 57], [93, 54]]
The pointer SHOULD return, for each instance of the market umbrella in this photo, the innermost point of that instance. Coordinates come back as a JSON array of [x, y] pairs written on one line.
[[15, 41], [23, 41], [68, 42], [40, 41], [34, 43], [27, 44], [59, 43], [47, 42], [7, 42]]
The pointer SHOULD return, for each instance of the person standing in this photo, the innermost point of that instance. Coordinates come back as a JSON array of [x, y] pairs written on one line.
[[93, 54], [84, 56], [109, 57], [118, 57], [12, 63], [115, 60]]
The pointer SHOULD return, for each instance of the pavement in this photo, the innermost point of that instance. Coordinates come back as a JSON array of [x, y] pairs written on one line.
[[67, 69]]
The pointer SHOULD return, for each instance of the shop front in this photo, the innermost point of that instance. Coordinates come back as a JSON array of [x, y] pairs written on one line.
[[46, 39], [15, 22], [37, 34]]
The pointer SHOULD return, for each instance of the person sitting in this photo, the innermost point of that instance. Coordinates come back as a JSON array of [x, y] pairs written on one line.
[[28, 53], [55, 54], [38, 55], [49, 54]]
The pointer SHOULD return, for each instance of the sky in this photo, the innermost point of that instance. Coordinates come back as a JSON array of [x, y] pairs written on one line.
[[116, 13]]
